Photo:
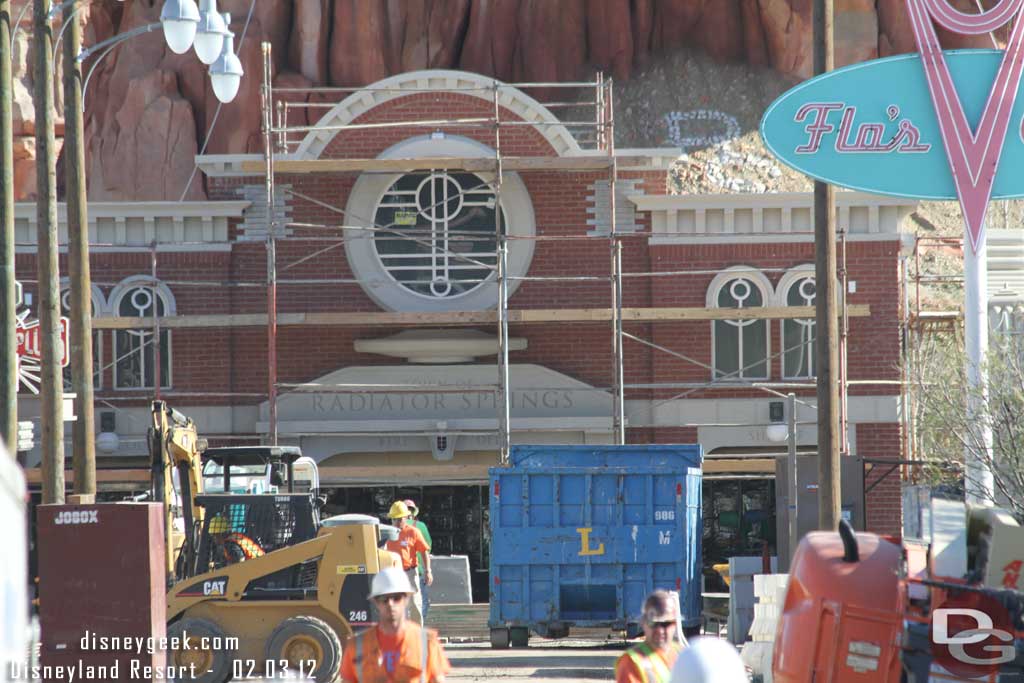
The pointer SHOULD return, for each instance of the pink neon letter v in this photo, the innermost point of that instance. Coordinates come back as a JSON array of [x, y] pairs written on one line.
[[973, 157]]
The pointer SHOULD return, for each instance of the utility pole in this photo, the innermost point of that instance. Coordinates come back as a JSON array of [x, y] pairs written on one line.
[[826, 318], [792, 483], [84, 440], [8, 340], [51, 385]]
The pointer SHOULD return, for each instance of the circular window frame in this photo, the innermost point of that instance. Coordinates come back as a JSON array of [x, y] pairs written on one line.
[[366, 265]]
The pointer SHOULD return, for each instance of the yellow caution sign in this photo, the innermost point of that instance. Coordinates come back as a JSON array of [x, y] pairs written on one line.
[[351, 569]]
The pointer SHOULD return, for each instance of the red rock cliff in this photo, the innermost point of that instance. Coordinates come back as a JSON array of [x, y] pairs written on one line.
[[148, 110]]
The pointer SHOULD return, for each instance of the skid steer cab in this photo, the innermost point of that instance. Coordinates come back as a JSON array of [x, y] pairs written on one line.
[[259, 469], [272, 591]]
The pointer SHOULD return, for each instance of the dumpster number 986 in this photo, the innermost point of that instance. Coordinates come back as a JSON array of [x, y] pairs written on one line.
[[664, 515]]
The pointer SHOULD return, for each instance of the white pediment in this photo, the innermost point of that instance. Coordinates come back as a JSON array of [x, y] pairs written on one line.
[[356, 403], [449, 394]]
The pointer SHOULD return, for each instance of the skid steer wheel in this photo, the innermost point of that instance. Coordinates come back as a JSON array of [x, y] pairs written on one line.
[[302, 640], [210, 666]]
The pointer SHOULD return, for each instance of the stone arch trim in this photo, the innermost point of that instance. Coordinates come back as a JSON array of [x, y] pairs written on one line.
[[745, 272], [788, 279], [144, 281], [471, 84]]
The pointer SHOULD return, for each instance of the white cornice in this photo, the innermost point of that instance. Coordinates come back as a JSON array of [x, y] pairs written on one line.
[[780, 216], [229, 165], [118, 225]]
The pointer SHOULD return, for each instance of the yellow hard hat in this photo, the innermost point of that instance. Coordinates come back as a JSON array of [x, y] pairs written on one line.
[[218, 525], [399, 510]]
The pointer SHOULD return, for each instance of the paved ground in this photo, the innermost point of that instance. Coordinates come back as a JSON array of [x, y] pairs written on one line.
[[544, 661]]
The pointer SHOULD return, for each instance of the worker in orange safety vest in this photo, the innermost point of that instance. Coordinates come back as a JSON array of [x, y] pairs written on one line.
[[651, 661], [235, 546], [397, 650]]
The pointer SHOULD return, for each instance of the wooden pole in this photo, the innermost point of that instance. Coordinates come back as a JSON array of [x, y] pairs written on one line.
[[84, 430], [827, 327], [8, 303], [51, 385]]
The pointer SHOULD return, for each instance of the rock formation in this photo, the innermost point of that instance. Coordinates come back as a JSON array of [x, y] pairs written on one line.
[[148, 111]]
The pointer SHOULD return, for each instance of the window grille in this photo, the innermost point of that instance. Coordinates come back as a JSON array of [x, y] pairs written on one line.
[[134, 366], [439, 240], [740, 346]]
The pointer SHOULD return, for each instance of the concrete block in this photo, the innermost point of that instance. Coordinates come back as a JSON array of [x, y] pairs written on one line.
[[451, 580]]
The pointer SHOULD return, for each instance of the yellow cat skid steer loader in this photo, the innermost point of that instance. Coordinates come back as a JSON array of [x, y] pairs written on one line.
[[259, 585]]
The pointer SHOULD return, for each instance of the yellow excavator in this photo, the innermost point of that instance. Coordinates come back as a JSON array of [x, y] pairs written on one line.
[[258, 584]]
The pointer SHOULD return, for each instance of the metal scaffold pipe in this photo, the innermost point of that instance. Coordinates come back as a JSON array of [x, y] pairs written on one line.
[[267, 96], [504, 405]]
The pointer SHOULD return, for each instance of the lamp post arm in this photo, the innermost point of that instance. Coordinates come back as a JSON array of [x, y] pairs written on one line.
[[17, 25], [60, 36], [57, 8], [109, 44], [120, 37]]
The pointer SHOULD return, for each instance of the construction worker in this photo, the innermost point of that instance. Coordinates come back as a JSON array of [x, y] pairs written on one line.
[[408, 546], [424, 589], [651, 661], [234, 546], [709, 660], [396, 650]]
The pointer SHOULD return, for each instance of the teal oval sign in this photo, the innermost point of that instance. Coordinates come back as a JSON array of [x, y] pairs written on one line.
[[872, 127]]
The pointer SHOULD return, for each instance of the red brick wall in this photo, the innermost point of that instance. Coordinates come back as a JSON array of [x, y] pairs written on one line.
[[235, 360], [883, 506]]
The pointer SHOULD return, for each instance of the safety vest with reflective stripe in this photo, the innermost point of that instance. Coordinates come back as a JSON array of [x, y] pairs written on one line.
[[652, 668], [412, 666], [248, 547]]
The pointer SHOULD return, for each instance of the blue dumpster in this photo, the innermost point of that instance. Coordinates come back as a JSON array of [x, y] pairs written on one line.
[[581, 534]]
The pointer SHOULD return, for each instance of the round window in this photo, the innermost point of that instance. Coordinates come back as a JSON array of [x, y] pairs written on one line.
[[432, 241], [436, 232]]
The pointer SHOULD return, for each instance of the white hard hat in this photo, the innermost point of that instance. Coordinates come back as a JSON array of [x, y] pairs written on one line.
[[709, 660], [390, 581]]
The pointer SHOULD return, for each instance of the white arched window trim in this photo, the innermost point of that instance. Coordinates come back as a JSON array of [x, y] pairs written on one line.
[[122, 337], [789, 279], [759, 280], [128, 284], [99, 309]]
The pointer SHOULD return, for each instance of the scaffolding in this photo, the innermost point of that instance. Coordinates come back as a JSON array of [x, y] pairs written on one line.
[[590, 119]]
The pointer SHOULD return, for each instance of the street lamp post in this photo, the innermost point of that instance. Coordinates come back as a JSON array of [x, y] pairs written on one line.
[[779, 431], [184, 25]]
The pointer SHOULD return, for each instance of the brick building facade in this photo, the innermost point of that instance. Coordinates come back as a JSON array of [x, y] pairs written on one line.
[[688, 377]]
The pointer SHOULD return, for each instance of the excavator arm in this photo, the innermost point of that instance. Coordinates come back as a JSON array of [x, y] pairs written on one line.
[[174, 445]]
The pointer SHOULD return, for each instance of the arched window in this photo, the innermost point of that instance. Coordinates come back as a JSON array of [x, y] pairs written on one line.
[[440, 238], [797, 288], [134, 354], [96, 303], [739, 347]]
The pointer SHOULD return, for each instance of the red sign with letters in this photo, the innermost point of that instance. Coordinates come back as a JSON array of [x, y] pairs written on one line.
[[30, 342]]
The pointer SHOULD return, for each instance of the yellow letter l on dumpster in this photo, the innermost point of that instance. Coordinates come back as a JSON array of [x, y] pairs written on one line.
[[585, 548]]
